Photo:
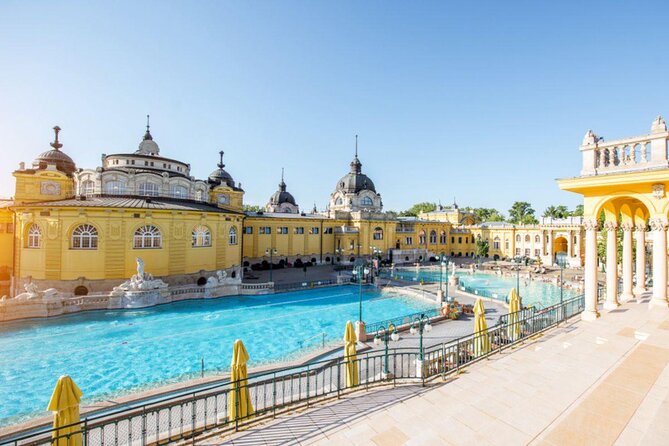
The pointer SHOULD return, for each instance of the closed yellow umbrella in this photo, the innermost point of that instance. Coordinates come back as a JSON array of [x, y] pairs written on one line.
[[481, 340], [514, 315], [64, 404], [350, 356], [239, 397]]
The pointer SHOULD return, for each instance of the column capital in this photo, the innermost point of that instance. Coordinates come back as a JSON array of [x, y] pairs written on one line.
[[640, 227], [610, 225], [627, 227], [659, 224], [590, 224]]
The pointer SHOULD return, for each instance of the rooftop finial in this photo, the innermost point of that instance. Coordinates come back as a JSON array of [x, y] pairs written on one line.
[[220, 164], [55, 144], [282, 174], [356, 146], [147, 135]]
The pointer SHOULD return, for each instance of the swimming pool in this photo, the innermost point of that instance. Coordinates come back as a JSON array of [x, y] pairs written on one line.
[[112, 353], [533, 292]]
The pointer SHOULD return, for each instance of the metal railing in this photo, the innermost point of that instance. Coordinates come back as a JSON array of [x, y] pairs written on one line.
[[182, 417], [303, 285], [373, 327]]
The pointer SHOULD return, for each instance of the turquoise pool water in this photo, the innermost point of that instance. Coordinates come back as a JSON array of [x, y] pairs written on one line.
[[110, 353], [533, 292]]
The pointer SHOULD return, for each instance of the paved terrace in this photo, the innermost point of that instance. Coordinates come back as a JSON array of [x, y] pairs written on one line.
[[595, 383]]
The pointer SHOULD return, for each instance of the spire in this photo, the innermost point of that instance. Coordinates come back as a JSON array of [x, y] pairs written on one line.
[[455, 204], [282, 185], [147, 135], [220, 164], [55, 144], [315, 209], [356, 165]]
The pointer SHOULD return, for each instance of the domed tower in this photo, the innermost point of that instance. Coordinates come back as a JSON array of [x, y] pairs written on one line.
[[282, 201], [50, 178], [355, 191], [223, 190]]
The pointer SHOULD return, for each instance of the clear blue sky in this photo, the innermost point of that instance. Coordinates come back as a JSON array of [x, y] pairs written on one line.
[[486, 101]]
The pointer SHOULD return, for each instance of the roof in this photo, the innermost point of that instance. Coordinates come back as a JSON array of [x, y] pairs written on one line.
[[286, 215], [133, 202], [5, 203]]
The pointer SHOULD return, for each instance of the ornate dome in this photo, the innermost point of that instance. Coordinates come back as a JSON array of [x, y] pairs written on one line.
[[281, 196], [148, 146], [54, 156], [220, 176], [355, 180]]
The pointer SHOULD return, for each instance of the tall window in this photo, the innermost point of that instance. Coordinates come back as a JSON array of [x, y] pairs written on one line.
[[366, 201], [518, 238], [536, 239], [495, 243], [421, 238], [85, 237], [232, 236], [433, 237], [115, 188], [149, 189], [442, 238], [409, 240], [201, 236], [147, 237], [178, 191], [34, 236], [378, 234], [87, 187]]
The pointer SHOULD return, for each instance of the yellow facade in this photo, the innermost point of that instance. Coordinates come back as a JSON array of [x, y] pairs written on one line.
[[143, 205]]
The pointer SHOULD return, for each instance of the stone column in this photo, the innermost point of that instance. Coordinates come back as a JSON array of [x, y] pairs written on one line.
[[640, 259], [659, 226], [627, 262], [611, 266], [590, 272], [569, 245]]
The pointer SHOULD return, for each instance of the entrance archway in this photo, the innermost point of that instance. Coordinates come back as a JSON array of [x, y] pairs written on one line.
[[560, 246]]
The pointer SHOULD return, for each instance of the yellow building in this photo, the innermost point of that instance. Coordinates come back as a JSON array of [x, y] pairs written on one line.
[[626, 181], [82, 230]]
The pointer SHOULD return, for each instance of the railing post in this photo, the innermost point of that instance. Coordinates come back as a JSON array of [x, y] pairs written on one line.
[[274, 395], [307, 375], [338, 379], [143, 428]]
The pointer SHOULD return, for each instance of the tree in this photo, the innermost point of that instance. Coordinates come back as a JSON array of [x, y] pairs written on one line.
[[560, 211], [487, 214], [578, 211], [481, 248], [521, 212], [417, 208], [252, 208]]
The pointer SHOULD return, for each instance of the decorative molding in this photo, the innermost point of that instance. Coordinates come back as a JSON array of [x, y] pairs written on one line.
[[658, 191], [627, 227], [659, 224], [610, 225], [591, 224], [640, 227]]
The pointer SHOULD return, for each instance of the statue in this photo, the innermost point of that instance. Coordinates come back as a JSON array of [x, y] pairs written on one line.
[[140, 267], [221, 275], [31, 289]]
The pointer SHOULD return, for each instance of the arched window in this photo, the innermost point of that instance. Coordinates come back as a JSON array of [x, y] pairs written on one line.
[[442, 238], [178, 191], [421, 238], [34, 236], [495, 243], [378, 233], [147, 236], [85, 237], [201, 236], [339, 201], [232, 236], [366, 201], [115, 188], [527, 239], [433, 237], [536, 239], [148, 189], [199, 195], [518, 238], [87, 187]]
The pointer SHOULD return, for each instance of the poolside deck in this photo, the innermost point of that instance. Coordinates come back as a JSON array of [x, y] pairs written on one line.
[[596, 383]]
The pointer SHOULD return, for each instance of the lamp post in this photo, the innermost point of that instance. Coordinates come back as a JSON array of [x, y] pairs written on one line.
[[443, 264], [360, 272], [419, 325], [270, 252], [385, 335]]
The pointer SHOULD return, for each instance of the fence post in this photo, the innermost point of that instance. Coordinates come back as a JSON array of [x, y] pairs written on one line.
[[338, 378], [307, 376], [274, 395], [143, 428], [457, 354]]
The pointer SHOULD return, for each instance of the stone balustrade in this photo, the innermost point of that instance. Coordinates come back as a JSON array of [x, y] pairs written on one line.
[[628, 154]]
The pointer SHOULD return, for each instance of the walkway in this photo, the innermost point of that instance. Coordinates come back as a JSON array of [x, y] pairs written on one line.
[[597, 383]]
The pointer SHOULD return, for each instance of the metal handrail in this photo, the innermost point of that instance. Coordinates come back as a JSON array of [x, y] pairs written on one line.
[[184, 416]]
